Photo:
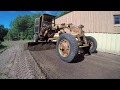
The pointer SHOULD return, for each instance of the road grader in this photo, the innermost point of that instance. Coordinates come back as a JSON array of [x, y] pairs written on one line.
[[70, 39]]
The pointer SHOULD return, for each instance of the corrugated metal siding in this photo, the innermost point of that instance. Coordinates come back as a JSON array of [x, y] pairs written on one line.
[[94, 21], [107, 42], [100, 25]]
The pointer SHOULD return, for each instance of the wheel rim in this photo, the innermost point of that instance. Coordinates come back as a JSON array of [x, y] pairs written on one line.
[[91, 44], [64, 48]]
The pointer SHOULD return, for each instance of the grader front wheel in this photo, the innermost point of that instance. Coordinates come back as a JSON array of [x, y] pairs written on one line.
[[67, 47]]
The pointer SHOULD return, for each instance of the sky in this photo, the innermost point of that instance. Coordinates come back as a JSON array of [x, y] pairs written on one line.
[[7, 16]]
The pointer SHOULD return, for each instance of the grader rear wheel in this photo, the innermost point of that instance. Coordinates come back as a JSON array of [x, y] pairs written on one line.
[[67, 47], [93, 43]]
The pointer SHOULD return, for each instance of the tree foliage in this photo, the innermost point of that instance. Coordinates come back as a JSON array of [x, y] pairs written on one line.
[[3, 32], [22, 27]]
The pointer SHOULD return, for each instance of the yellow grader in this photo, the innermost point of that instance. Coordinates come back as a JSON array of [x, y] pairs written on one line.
[[69, 39]]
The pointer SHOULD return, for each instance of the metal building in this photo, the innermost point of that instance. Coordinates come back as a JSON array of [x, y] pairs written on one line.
[[104, 26]]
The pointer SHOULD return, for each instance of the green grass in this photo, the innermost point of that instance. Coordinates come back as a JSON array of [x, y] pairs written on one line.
[[8, 44], [13, 43], [2, 46]]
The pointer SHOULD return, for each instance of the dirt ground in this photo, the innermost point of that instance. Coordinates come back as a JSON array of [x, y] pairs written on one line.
[[96, 66], [19, 63]]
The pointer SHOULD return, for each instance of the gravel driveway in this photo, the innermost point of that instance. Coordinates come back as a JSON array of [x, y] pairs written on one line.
[[18, 63]]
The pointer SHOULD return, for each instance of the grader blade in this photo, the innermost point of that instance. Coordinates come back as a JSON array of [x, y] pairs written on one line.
[[38, 46]]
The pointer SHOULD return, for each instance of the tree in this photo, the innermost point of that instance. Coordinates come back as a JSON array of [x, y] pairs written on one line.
[[15, 27], [22, 27], [3, 32], [31, 24]]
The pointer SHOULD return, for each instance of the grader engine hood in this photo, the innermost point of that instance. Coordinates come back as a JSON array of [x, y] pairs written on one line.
[[71, 29], [76, 30]]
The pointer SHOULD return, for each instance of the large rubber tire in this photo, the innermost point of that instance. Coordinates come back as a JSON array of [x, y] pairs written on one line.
[[73, 47], [94, 45], [36, 37]]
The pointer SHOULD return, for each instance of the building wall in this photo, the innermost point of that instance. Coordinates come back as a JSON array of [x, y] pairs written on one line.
[[94, 21], [100, 25], [107, 42]]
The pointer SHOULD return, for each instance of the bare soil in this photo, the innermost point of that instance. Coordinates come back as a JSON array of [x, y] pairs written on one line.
[[23, 62]]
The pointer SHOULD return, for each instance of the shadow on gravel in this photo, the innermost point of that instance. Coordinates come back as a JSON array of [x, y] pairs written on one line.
[[78, 58], [95, 52]]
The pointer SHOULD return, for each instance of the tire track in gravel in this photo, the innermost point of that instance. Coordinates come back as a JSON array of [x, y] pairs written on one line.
[[18, 63]]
